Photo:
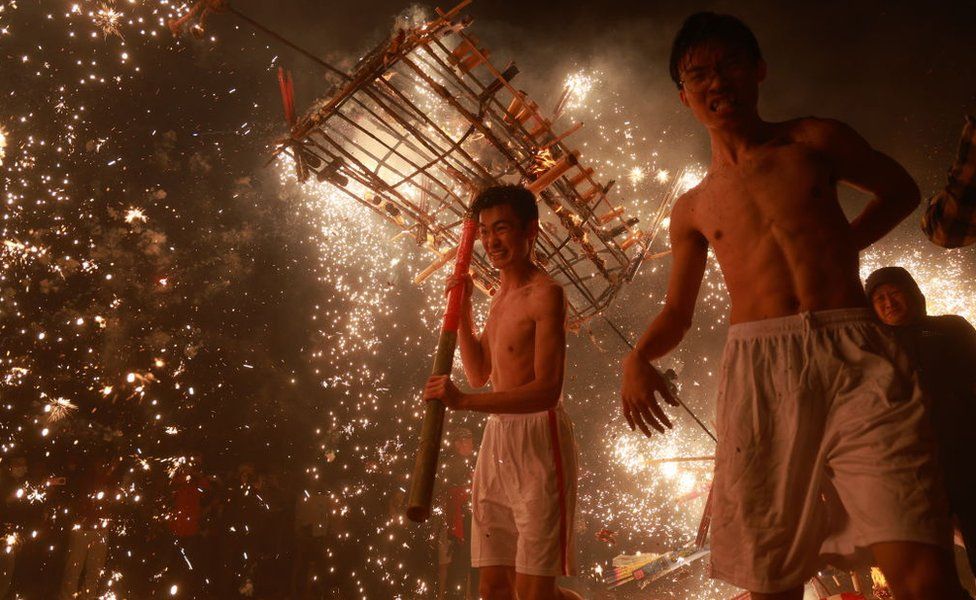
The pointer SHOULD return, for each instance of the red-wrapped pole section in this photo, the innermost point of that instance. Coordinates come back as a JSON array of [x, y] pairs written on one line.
[[425, 469]]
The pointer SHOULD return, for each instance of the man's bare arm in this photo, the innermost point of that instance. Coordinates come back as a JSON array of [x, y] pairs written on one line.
[[860, 166], [689, 250], [475, 354], [542, 393]]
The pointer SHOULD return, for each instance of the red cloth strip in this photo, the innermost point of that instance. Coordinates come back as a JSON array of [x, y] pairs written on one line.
[[287, 87], [561, 482]]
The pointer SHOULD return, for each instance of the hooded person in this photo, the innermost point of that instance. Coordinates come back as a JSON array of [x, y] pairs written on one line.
[[943, 351]]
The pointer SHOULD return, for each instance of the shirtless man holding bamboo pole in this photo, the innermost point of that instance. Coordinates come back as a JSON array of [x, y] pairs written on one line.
[[524, 485]]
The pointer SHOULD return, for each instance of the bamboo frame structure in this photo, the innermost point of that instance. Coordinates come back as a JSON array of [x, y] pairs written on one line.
[[425, 120]]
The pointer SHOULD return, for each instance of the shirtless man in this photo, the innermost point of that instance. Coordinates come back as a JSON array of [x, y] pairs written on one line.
[[524, 485], [815, 399]]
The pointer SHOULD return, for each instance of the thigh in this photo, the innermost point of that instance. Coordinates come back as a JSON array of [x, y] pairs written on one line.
[[910, 566], [882, 462], [767, 516]]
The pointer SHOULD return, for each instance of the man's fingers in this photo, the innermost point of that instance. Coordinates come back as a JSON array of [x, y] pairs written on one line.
[[648, 417], [636, 415], [659, 413], [669, 397], [626, 411]]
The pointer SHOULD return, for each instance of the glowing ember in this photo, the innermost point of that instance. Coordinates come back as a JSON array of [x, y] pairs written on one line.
[[879, 585], [107, 19], [689, 178], [135, 214], [579, 85], [636, 175]]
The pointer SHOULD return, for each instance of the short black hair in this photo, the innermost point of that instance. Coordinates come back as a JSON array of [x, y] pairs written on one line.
[[703, 27], [518, 197]]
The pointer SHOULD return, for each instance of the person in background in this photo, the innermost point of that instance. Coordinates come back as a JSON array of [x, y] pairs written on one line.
[[191, 506], [88, 539], [455, 577], [943, 352]]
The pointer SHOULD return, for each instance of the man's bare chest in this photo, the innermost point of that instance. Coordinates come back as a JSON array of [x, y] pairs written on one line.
[[510, 328], [783, 189]]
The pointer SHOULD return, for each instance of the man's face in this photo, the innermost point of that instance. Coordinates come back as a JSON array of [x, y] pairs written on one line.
[[506, 240], [892, 305], [720, 84]]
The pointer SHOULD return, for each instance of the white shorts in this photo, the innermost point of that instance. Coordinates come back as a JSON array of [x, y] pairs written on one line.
[[824, 448], [524, 494]]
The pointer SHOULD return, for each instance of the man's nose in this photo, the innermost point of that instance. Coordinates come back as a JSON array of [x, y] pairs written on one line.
[[717, 80]]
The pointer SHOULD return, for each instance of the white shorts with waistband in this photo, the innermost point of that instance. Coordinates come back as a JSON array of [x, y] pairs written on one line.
[[824, 448], [524, 494]]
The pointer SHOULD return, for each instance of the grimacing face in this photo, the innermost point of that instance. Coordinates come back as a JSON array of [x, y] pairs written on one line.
[[505, 238], [892, 305], [720, 84]]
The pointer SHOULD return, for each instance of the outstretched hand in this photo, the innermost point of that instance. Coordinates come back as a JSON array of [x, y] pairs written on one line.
[[440, 387], [639, 404]]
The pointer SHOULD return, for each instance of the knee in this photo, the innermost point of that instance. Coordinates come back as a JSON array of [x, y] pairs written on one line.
[[926, 582], [495, 588]]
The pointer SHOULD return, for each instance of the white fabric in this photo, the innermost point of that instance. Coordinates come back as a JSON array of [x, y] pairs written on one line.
[[516, 504], [824, 448]]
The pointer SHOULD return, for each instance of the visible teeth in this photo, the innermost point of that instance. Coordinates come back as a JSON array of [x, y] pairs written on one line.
[[722, 101]]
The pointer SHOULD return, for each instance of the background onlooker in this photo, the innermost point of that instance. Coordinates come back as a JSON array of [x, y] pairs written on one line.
[[943, 352]]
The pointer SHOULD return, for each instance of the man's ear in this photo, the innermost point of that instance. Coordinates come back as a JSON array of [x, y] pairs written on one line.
[[761, 70], [532, 228], [684, 98]]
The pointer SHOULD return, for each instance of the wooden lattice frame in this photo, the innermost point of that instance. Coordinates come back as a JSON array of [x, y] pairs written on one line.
[[425, 120]]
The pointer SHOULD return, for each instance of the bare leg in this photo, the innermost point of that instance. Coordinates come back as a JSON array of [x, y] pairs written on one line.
[[794, 594], [918, 571], [497, 583], [536, 587]]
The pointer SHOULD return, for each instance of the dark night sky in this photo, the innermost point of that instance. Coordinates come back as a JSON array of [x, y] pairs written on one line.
[[899, 72]]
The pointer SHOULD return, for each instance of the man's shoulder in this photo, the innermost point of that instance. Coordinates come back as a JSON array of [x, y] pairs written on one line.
[[546, 293], [951, 324], [818, 131], [682, 220], [547, 288]]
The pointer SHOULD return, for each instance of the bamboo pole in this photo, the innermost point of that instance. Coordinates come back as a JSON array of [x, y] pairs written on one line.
[[425, 467]]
